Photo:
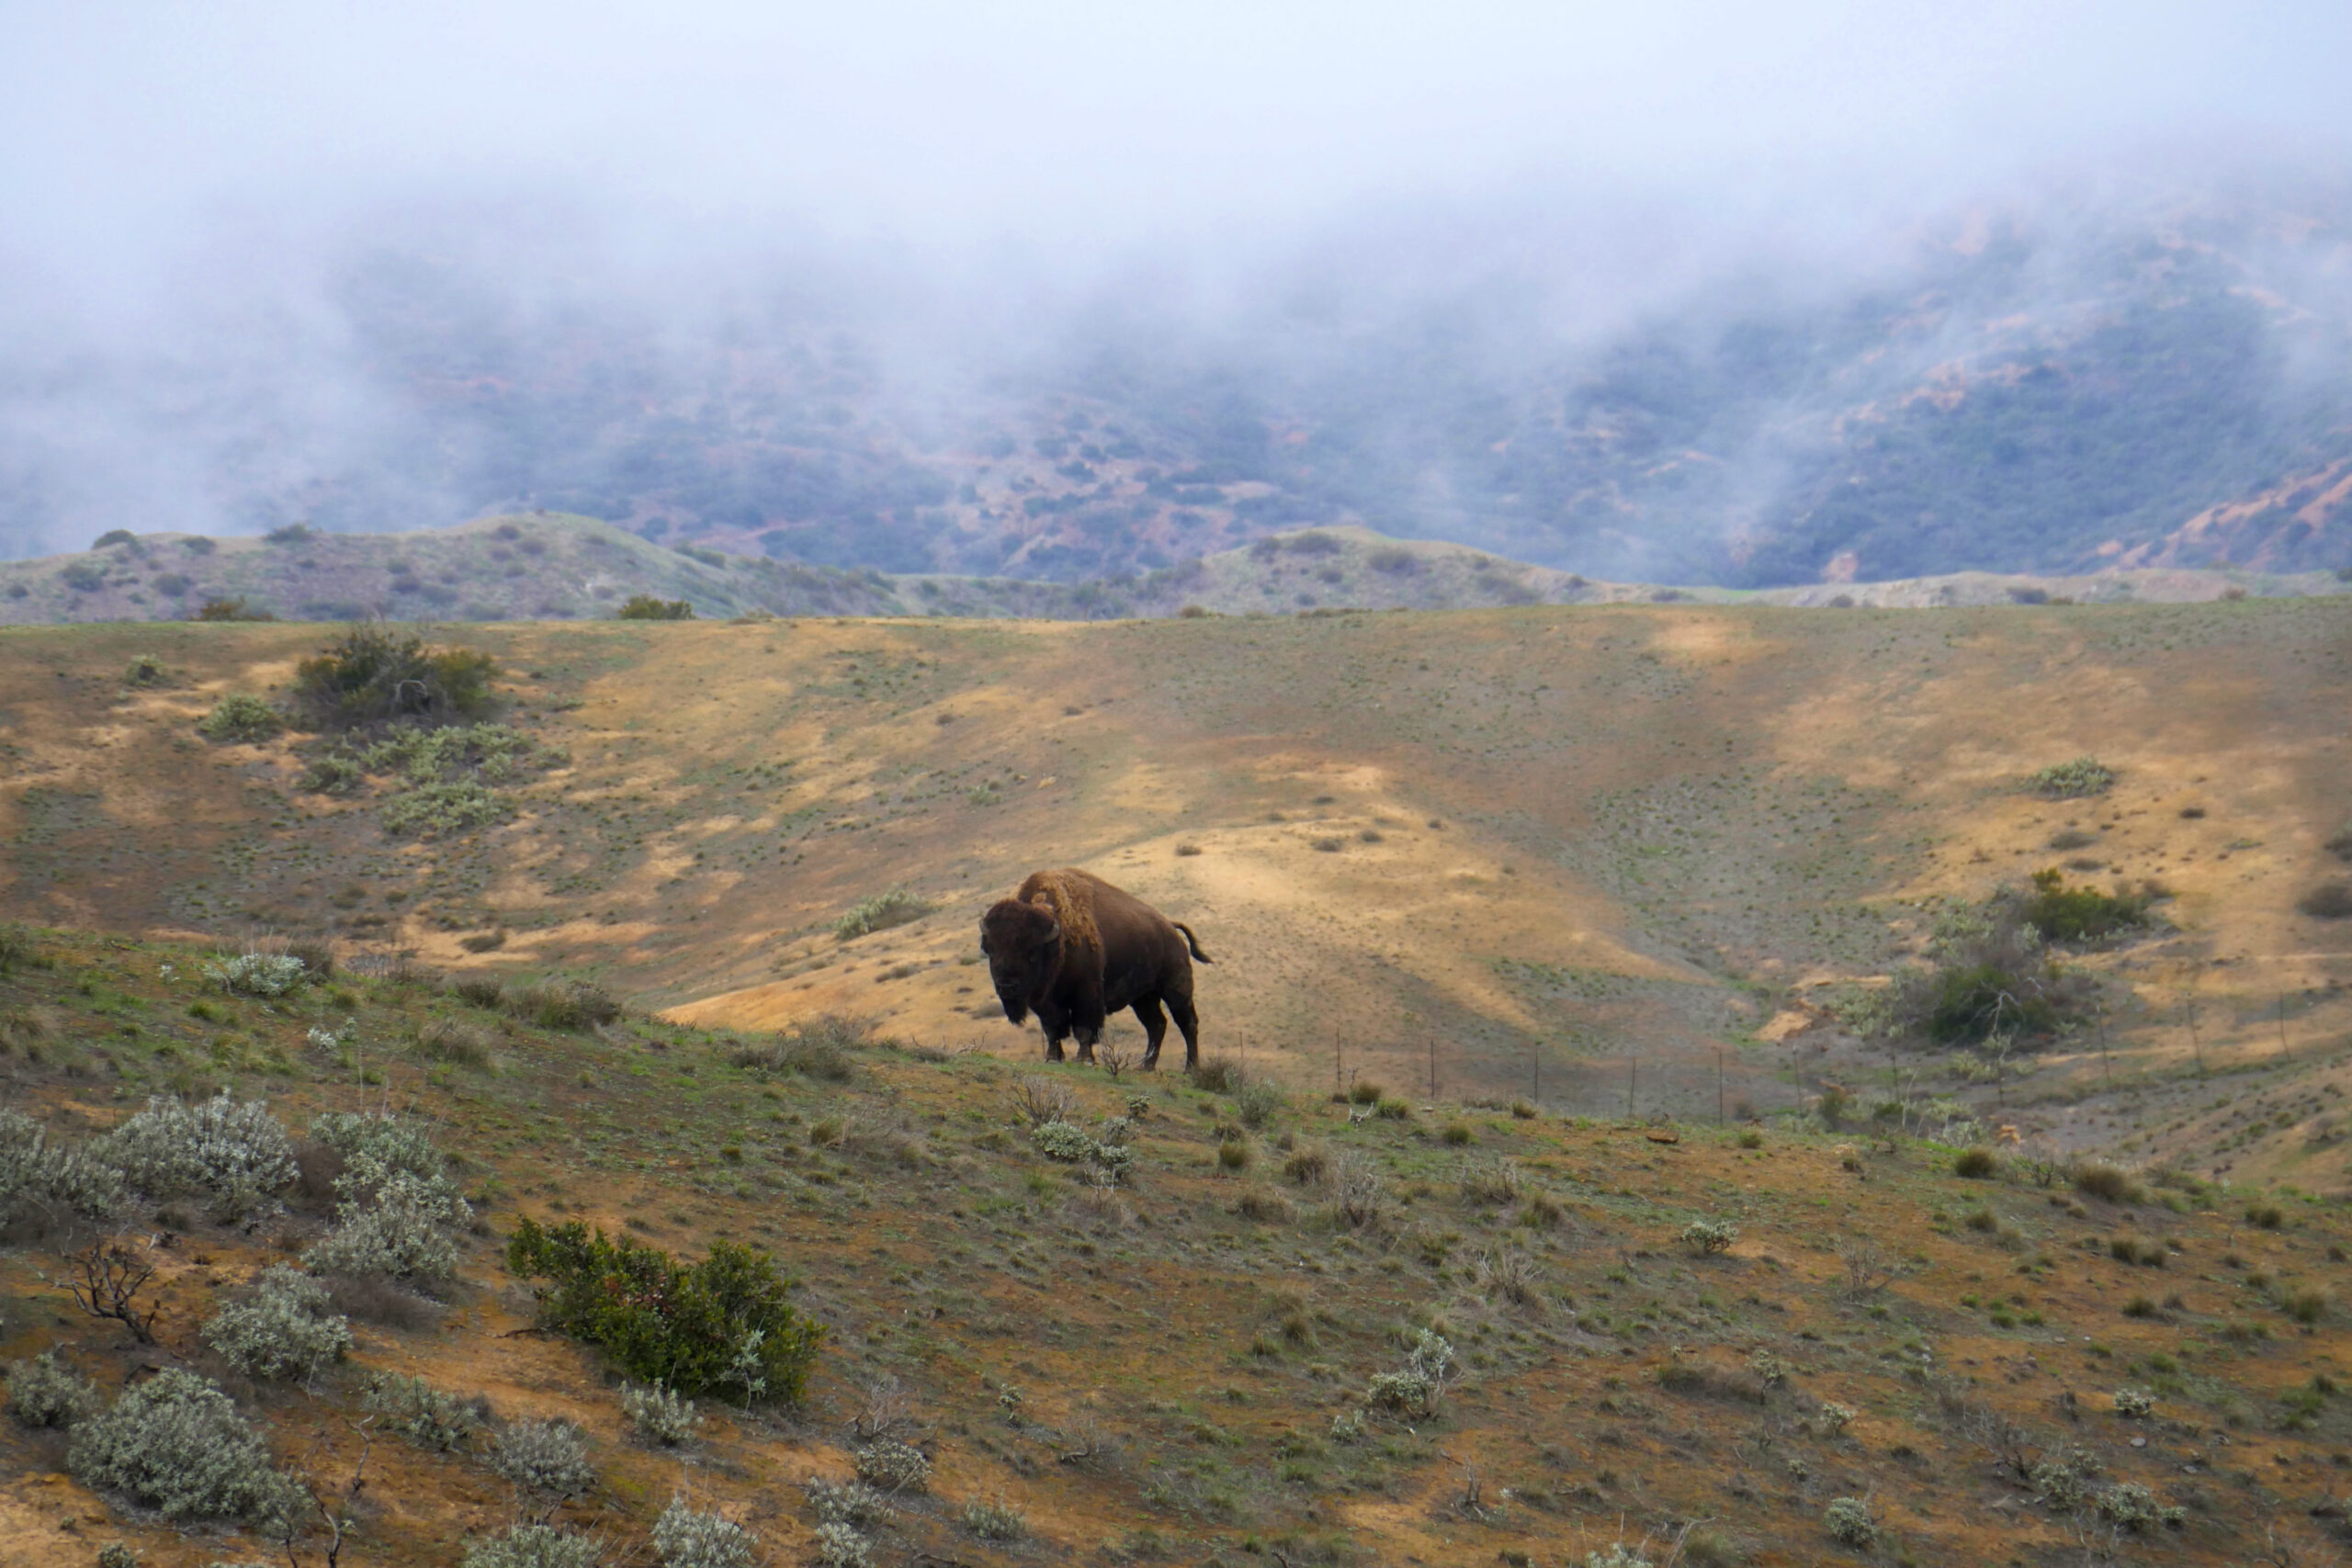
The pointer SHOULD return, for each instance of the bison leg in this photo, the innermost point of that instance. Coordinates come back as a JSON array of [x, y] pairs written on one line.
[[1189, 1024], [1154, 1029]]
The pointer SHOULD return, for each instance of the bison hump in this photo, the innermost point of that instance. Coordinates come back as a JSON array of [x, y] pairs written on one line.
[[1070, 896]]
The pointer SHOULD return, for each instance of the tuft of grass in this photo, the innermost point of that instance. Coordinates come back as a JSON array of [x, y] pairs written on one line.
[[2097, 1178], [1977, 1165]]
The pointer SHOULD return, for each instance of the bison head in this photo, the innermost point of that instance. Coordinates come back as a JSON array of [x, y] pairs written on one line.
[[1023, 941]]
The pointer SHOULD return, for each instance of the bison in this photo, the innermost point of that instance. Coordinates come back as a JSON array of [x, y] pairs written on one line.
[[1073, 949]]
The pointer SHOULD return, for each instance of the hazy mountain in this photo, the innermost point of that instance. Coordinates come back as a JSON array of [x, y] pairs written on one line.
[[2047, 387]]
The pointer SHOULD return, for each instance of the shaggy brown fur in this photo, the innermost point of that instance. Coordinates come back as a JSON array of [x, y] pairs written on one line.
[[1073, 949]]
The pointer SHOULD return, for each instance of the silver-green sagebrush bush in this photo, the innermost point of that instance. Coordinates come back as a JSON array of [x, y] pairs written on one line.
[[178, 1444], [533, 1546], [45, 1391], [547, 1457], [287, 1330], [893, 1466], [660, 1415], [840, 1546], [434, 1421], [686, 1537], [401, 1232], [258, 974], [849, 1503], [1849, 1520], [46, 1182], [235, 1155]]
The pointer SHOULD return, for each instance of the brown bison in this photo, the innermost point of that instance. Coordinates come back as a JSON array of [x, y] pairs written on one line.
[[1074, 949]]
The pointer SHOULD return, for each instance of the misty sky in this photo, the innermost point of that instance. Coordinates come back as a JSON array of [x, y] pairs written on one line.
[[192, 192], [1083, 124]]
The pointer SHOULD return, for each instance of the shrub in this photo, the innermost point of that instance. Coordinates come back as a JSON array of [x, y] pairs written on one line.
[[1849, 1520], [1358, 1193], [258, 974], [893, 1467], [692, 1538], [2079, 914], [2072, 781], [332, 775], [2329, 901], [1977, 1165], [573, 1005], [646, 607], [1217, 1075], [145, 669], [547, 1457], [434, 1421], [1392, 1109], [2131, 1404], [1618, 1555], [840, 1546], [43, 1183], [816, 1048], [1256, 1102], [429, 810], [1458, 1134], [1707, 1237], [400, 1233], [2339, 844], [1366, 1093], [2098, 1180], [479, 990], [46, 1392], [1309, 1164], [533, 1546], [720, 1325], [2129, 1505], [894, 907], [2265, 1216], [1416, 1387], [1490, 1181], [376, 1147], [999, 1520], [1233, 1154], [230, 610], [175, 1443], [2303, 1303], [373, 675], [241, 718], [287, 1330], [849, 1503], [660, 1415], [237, 1155]]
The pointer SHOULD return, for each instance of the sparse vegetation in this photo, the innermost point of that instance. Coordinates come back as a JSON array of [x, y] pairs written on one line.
[[234, 1156], [434, 1421], [533, 1546], [2329, 901], [686, 1537], [646, 607], [547, 1457], [2074, 780], [892, 1467], [661, 1417]]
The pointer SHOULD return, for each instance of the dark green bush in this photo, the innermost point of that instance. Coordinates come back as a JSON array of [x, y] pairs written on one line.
[[240, 717], [2079, 914], [563, 1004], [646, 607], [231, 610], [2329, 901], [1975, 1164], [721, 1326], [371, 675]]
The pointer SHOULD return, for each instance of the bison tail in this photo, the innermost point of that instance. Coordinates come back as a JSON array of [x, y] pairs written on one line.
[[1192, 942]]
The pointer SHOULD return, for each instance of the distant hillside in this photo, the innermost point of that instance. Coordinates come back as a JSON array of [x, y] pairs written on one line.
[[2160, 378], [551, 567]]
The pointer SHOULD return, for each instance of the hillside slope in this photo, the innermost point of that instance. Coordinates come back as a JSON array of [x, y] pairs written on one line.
[[1691, 1341], [1593, 855]]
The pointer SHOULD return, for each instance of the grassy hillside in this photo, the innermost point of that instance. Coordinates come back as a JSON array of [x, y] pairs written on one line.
[[1521, 849], [1691, 1341], [544, 566]]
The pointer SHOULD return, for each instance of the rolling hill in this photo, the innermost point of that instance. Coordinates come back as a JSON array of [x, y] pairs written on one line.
[[1546, 939], [549, 566]]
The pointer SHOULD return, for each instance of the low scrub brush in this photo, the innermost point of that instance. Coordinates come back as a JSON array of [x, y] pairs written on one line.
[[287, 1330], [175, 1443], [686, 1537]]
